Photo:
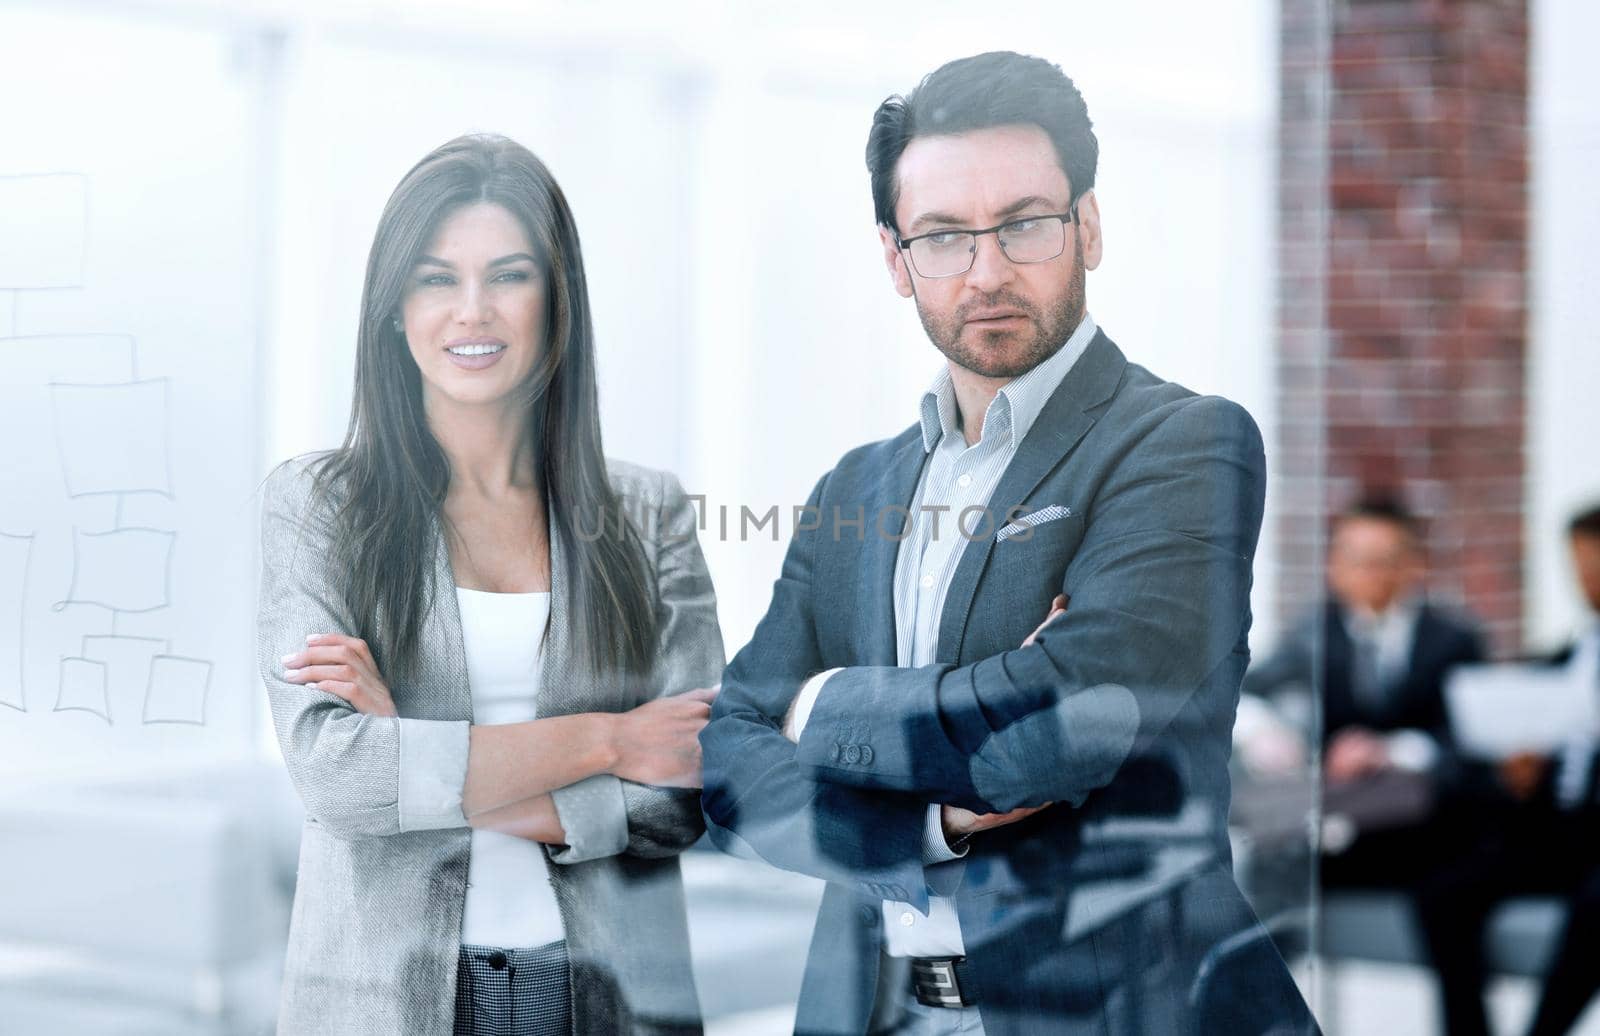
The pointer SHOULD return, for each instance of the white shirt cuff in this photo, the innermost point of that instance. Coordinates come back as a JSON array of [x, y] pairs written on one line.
[[804, 702], [1412, 750], [594, 817], [433, 772], [1574, 759], [935, 847]]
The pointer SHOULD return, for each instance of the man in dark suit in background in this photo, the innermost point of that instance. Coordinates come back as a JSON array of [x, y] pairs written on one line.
[[1384, 655], [898, 727], [1545, 839]]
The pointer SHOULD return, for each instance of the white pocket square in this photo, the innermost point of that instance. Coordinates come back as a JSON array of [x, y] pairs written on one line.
[[1029, 522]]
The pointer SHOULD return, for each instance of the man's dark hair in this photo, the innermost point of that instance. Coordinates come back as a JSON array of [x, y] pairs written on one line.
[[1381, 508], [1000, 88], [1585, 523]]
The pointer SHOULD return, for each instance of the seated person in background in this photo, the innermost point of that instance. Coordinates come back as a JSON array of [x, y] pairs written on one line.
[[1384, 653], [1548, 842]]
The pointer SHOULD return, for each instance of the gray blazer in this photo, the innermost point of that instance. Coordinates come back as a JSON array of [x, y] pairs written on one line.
[[376, 926]]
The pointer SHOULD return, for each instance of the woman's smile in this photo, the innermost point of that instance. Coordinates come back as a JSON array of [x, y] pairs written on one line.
[[475, 354]]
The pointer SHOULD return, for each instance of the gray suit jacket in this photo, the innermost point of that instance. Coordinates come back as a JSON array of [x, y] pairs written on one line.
[[1114, 912], [377, 914]]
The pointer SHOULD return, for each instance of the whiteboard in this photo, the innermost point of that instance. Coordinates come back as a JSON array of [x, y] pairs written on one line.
[[129, 203]]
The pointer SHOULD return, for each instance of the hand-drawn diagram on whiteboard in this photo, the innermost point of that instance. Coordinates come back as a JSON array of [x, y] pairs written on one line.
[[84, 432], [14, 554]]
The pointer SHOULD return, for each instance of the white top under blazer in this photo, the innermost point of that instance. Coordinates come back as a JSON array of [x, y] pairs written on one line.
[[510, 903]]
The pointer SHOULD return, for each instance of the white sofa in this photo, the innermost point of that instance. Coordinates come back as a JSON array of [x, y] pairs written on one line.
[[153, 905]]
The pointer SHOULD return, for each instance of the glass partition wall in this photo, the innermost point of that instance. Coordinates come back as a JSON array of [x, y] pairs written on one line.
[[1362, 223]]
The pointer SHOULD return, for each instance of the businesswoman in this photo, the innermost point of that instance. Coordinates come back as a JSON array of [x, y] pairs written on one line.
[[482, 642]]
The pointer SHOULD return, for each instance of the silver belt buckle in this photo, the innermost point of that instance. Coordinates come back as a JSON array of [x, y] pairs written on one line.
[[935, 980]]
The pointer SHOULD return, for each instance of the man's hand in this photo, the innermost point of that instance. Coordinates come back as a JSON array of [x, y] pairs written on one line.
[[1521, 773], [963, 823], [1057, 607], [1356, 752], [342, 666]]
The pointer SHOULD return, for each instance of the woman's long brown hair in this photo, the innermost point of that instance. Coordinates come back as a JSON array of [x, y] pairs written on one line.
[[387, 482]]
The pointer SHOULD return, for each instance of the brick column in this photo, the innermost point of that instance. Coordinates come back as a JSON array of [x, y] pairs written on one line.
[[1403, 285]]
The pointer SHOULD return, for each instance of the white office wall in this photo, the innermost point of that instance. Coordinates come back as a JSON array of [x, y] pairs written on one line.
[[1564, 317]]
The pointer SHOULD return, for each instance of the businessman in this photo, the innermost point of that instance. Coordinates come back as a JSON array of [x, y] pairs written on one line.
[[1547, 843], [1380, 654], [1022, 827]]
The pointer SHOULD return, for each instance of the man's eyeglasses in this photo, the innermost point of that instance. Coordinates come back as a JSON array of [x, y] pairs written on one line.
[[949, 253]]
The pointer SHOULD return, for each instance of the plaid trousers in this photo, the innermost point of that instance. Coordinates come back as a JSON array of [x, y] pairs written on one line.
[[513, 992]]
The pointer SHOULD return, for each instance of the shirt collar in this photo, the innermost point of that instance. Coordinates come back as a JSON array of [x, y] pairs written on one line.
[[1016, 406], [1588, 642], [1399, 617]]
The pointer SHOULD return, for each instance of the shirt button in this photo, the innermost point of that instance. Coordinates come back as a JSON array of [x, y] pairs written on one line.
[[497, 960], [927, 582], [907, 919], [964, 481]]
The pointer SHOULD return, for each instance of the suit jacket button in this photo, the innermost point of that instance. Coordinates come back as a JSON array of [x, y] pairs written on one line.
[[866, 753], [852, 754]]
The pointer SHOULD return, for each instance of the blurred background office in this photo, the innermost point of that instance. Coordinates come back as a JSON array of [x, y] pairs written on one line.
[[1370, 223]]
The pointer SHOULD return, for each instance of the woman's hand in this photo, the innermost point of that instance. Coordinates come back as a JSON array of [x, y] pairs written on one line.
[[342, 666], [659, 742]]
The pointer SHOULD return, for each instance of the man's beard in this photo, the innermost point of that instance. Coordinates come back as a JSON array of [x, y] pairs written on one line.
[[1061, 317]]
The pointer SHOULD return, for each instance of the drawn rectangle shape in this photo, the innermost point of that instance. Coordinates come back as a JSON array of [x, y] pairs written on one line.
[[177, 691], [113, 438], [14, 554], [81, 359], [124, 570], [83, 688], [44, 223]]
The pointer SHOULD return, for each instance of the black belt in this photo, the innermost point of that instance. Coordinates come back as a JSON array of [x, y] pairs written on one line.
[[942, 981]]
